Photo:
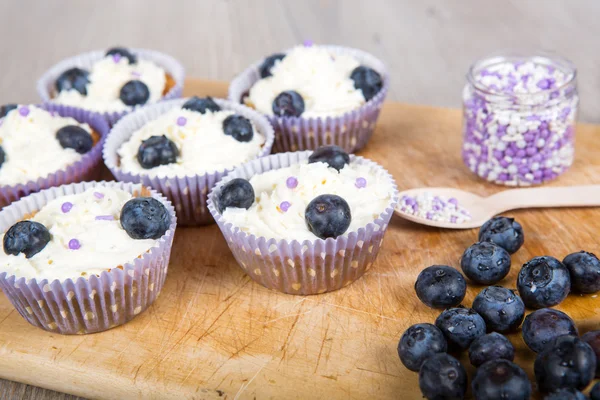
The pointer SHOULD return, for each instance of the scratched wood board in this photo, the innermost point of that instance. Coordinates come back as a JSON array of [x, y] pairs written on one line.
[[214, 333]]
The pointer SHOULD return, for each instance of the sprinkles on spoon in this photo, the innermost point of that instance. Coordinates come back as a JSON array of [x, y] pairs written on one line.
[[426, 205]]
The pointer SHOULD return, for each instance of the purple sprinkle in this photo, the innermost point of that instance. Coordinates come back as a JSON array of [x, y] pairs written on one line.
[[53, 113], [308, 43], [66, 207], [360, 183], [1, 121], [285, 205], [291, 182], [429, 215], [135, 74], [24, 111], [99, 195], [181, 121], [74, 244], [453, 201], [104, 218], [453, 219], [116, 57]]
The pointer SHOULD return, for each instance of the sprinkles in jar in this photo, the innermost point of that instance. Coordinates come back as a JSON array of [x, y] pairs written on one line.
[[519, 118]]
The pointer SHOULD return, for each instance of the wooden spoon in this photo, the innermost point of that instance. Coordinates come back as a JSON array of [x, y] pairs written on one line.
[[484, 208]]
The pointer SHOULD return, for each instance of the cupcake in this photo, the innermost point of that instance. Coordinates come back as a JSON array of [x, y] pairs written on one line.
[[305, 222], [113, 82], [183, 147], [315, 96], [48, 145], [85, 257]]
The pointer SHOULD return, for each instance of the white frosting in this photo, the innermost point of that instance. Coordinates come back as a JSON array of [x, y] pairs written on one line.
[[30, 145], [203, 146], [265, 217], [321, 77], [104, 243], [107, 77]]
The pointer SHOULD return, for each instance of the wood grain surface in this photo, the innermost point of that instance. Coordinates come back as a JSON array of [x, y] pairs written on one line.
[[214, 333]]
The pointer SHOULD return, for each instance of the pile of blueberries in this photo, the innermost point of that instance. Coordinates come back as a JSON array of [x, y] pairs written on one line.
[[565, 363]]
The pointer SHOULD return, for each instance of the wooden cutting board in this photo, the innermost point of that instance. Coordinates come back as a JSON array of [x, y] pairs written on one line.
[[214, 333]]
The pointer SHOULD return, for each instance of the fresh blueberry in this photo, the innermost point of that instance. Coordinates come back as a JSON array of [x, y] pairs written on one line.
[[123, 52], [500, 380], [542, 326], [584, 269], [567, 362], [502, 310], [76, 138], [485, 263], [74, 78], [440, 286], [201, 105], [442, 377], [460, 326], [490, 347], [27, 237], [157, 150], [543, 282], [595, 392], [334, 156], [566, 394], [134, 93], [367, 80], [2, 156], [236, 193], [145, 218], [505, 232], [5, 109], [238, 127], [269, 63], [288, 104], [420, 342], [327, 216], [593, 339]]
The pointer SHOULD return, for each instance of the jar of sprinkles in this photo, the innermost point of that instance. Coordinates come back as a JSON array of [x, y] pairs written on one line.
[[519, 116]]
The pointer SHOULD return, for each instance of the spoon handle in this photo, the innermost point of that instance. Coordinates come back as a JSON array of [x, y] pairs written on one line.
[[546, 197]]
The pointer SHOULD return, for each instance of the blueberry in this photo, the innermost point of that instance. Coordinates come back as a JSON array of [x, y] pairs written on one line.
[[543, 282], [269, 63], [74, 78], [157, 150], [442, 377], [460, 326], [134, 93], [5, 109], [595, 392], [76, 138], [327, 216], [440, 286], [123, 52], [584, 269], [500, 380], [485, 263], [334, 156], [27, 237], [288, 104], [367, 80], [505, 232], [593, 339], [145, 218], [201, 105], [238, 127], [2, 156], [566, 394], [567, 362], [501, 309], [236, 193], [543, 326], [419, 342], [490, 347]]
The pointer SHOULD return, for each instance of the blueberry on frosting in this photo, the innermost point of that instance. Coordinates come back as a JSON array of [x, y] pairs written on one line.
[[121, 52], [288, 104], [238, 127], [201, 105], [27, 237], [2, 156], [328, 216], [134, 93], [76, 138], [74, 78], [236, 193], [269, 63], [5, 109], [145, 218], [368, 80], [334, 156], [157, 150]]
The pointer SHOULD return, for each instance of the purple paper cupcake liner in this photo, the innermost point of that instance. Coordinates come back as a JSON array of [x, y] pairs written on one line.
[[351, 131], [84, 169], [95, 303], [45, 85], [189, 194], [308, 267]]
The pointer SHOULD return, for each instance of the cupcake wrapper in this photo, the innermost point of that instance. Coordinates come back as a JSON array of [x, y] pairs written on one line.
[[351, 131], [45, 85], [93, 304], [82, 170], [310, 267], [189, 194]]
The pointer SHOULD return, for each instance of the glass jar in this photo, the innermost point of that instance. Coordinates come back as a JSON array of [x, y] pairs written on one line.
[[519, 113]]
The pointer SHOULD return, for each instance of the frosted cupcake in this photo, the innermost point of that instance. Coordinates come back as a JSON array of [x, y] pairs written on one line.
[[86, 257], [316, 95], [113, 82], [305, 223], [183, 147]]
